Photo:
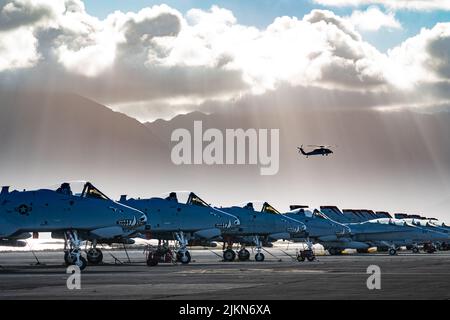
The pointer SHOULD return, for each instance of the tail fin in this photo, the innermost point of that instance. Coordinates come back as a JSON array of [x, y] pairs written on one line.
[[300, 149]]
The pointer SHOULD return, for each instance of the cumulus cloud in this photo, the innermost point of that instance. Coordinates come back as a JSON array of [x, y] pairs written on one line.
[[159, 57], [393, 4], [373, 19]]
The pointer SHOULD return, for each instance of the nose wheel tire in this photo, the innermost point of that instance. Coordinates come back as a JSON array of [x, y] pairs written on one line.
[[415, 250], [243, 255], [392, 252], [184, 258], [94, 256], [259, 257], [229, 255], [81, 263]]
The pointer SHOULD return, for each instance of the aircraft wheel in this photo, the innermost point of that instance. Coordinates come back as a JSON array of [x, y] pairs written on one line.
[[229, 255], [334, 251], [311, 258], [392, 252], [184, 258], [94, 256], [243, 255], [300, 258], [81, 263], [259, 257], [415, 250]]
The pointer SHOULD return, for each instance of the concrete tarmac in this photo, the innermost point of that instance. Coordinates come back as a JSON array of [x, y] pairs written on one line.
[[405, 276]]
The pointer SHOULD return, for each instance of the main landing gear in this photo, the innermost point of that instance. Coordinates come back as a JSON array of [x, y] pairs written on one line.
[[72, 250], [243, 254], [392, 251], [307, 254], [94, 255]]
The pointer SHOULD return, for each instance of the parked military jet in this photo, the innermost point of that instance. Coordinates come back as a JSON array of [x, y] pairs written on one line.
[[320, 229], [396, 232], [171, 218], [393, 233], [79, 216], [429, 225], [257, 226]]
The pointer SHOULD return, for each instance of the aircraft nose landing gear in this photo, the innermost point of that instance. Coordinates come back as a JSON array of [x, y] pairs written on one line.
[[183, 254], [72, 256]]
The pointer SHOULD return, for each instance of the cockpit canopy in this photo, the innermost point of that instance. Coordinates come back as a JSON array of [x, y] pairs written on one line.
[[81, 189], [386, 221], [186, 197], [260, 206], [302, 210]]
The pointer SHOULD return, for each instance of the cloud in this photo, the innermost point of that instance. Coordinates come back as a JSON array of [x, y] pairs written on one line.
[[373, 19], [161, 57], [392, 4], [19, 13]]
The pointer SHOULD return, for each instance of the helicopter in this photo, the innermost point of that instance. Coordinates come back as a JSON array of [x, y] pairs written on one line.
[[320, 150]]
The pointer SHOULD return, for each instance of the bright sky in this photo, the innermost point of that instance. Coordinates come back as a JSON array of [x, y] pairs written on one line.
[[261, 13]]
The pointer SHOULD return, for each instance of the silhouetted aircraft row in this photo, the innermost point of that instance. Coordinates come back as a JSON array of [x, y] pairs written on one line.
[[80, 214]]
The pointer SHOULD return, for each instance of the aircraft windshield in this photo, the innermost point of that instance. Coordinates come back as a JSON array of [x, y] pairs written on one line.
[[319, 214], [186, 197], [259, 206], [196, 201], [80, 189], [92, 192]]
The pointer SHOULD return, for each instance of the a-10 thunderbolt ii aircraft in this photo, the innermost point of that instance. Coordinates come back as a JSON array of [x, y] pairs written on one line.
[[258, 224], [319, 229], [172, 217], [393, 233], [84, 215], [384, 231], [430, 224]]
